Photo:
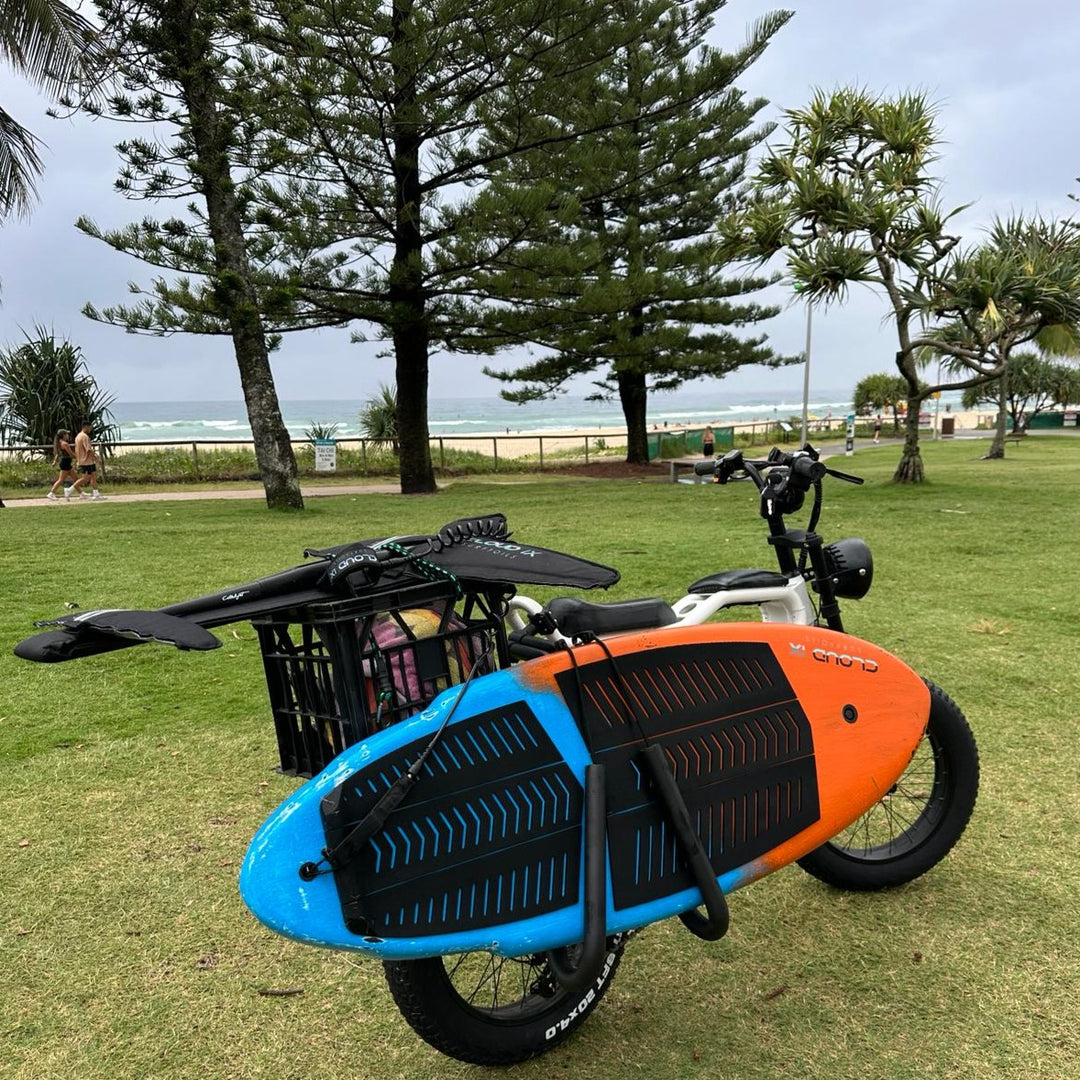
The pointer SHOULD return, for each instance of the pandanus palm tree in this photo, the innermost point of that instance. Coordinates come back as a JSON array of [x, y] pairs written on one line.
[[55, 48]]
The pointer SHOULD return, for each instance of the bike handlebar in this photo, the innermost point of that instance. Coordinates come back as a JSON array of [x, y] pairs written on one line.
[[804, 465]]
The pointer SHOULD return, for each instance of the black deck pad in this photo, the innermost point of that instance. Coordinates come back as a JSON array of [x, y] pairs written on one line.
[[491, 833], [739, 741]]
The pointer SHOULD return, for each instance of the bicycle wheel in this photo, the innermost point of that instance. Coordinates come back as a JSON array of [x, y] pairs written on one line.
[[917, 823], [494, 1010]]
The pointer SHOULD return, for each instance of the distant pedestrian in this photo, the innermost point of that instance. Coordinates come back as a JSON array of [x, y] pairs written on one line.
[[63, 459], [708, 442], [86, 458], [877, 428]]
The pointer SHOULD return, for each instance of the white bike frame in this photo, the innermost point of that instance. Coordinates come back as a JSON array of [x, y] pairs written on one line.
[[787, 603]]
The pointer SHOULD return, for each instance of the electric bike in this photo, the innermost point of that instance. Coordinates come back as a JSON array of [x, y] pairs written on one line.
[[363, 636]]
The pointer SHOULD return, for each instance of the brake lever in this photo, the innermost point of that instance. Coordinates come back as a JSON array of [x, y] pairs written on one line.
[[847, 477]]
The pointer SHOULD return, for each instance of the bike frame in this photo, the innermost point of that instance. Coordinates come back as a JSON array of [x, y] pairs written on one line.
[[788, 603], [780, 483]]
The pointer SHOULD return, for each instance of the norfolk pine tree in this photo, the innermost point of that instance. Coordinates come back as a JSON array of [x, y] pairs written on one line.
[[405, 112], [177, 59], [849, 199], [635, 286]]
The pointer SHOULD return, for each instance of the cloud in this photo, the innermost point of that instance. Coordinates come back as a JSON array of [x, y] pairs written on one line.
[[1005, 78]]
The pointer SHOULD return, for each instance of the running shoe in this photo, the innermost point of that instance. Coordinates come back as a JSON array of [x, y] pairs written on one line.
[[52, 497]]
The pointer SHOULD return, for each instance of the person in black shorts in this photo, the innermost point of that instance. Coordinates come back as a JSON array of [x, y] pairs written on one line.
[[86, 458], [708, 441], [63, 455]]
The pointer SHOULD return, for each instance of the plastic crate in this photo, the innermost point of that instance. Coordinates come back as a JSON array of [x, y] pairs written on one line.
[[340, 670]]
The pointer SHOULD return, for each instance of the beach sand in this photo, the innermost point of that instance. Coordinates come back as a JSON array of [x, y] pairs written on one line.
[[550, 442], [518, 444]]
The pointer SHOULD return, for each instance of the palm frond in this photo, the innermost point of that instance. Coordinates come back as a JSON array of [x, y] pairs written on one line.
[[46, 42], [20, 166]]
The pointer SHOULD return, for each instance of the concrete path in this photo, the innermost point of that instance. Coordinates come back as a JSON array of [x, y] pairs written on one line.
[[312, 492]]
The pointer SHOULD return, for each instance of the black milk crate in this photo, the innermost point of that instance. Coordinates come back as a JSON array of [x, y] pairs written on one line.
[[337, 671]]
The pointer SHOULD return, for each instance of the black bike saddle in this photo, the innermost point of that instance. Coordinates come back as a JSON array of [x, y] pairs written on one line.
[[574, 616]]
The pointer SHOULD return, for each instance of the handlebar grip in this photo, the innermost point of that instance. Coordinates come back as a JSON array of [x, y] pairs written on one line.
[[808, 468], [704, 468], [845, 476]]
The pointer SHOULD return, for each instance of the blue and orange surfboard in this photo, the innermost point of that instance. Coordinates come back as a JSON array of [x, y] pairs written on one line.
[[778, 737]]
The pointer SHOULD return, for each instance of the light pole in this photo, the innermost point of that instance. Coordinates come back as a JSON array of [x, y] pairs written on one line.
[[937, 402], [806, 372]]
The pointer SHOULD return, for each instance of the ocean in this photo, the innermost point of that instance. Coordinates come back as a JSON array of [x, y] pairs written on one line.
[[221, 421]]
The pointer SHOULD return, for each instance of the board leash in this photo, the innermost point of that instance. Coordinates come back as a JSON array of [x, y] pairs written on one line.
[[353, 842]]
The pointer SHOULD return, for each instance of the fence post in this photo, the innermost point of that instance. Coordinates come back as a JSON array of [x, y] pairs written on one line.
[[363, 456], [442, 454], [195, 460], [586, 449], [495, 448], [541, 441]]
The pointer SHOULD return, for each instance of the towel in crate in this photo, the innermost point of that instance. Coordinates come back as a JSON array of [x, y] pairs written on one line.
[[338, 671]]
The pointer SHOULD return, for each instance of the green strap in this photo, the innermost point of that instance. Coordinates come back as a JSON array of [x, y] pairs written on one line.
[[426, 568]]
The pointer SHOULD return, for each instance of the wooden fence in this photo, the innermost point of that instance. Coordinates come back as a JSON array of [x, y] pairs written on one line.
[[564, 444]]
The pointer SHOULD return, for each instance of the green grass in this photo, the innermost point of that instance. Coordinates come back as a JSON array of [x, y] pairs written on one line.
[[149, 470], [131, 784]]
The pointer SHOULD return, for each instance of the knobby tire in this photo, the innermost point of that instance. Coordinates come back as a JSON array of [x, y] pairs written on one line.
[[492, 1010], [919, 821]]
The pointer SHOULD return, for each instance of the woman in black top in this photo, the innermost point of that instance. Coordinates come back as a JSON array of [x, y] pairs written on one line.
[[63, 452]]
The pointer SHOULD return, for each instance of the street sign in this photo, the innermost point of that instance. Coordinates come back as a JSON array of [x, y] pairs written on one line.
[[325, 455]]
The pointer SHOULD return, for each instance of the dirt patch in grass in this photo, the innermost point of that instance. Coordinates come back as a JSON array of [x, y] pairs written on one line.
[[616, 470]]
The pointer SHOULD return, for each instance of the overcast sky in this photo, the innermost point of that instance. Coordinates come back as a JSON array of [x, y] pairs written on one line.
[[1005, 76]]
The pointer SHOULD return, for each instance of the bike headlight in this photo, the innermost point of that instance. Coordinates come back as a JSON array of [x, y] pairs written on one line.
[[851, 567]]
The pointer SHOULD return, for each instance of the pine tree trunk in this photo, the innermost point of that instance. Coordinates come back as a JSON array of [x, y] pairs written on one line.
[[634, 397], [232, 271], [415, 469], [408, 319], [910, 468]]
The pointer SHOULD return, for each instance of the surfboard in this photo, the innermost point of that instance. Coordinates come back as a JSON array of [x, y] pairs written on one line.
[[778, 737]]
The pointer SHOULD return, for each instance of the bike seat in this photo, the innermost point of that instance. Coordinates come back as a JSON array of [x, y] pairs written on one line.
[[574, 616], [738, 579]]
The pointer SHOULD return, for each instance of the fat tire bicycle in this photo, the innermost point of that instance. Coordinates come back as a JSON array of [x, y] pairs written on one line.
[[479, 1007]]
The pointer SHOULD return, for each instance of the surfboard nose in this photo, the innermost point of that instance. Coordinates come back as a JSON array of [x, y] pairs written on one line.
[[271, 883]]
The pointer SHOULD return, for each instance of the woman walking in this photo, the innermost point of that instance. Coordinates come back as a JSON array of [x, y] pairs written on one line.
[[63, 453]]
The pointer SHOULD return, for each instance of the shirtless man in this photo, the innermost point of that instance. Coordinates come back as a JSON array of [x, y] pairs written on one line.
[[86, 460]]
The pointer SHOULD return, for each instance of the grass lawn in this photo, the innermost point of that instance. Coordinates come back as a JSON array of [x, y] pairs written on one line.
[[131, 784]]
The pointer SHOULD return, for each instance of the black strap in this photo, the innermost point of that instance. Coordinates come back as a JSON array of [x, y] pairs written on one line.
[[354, 841], [714, 924]]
